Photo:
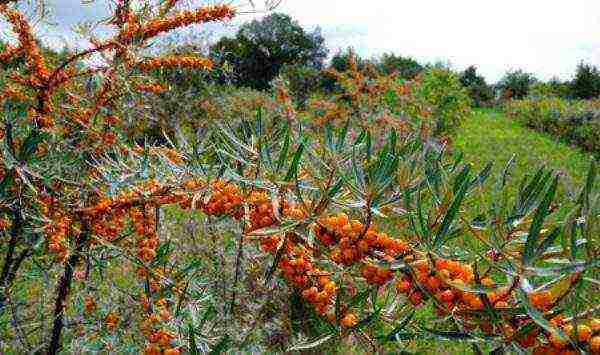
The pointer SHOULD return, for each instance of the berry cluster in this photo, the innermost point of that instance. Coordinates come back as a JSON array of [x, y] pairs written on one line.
[[261, 211], [354, 240], [58, 229], [184, 18], [225, 199], [317, 287], [111, 321], [586, 334], [176, 61], [151, 88]]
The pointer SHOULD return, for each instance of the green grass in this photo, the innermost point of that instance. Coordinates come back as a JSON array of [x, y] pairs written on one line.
[[490, 136]]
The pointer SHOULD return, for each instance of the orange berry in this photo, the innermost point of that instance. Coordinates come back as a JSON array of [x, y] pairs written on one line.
[[171, 351], [152, 350], [330, 288], [441, 264], [568, 329], [595, 344], [487, 282], [415, 298], [421, 266], [544, 350], [434, 283], [583, 332], [349, 320], [501, 304], [447, 296], [557, 342], [403, 286], [595, 325], [528, 340]]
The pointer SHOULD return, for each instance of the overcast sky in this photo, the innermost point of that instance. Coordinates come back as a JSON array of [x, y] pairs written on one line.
[[545, 37]]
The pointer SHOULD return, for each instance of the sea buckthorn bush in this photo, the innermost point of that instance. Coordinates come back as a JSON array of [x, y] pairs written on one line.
[[366, 227], [577, 122]]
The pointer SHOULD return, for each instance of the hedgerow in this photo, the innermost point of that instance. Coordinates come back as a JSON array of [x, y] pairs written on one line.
[[352, 202], [577, 122]]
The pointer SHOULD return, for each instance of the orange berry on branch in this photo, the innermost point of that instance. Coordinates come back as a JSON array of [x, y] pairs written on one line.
[[583, 332], [595, 344], [349, 320]]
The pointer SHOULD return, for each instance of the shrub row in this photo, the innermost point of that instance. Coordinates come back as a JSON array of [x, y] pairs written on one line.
[[577, 122]]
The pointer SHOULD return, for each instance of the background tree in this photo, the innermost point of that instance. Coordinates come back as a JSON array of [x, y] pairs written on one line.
[[406, 67], [586, 84], [479, 91], [515, 84], [341, 60], [262, 47]]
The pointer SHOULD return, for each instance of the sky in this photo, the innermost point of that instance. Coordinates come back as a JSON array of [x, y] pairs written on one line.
[[544, 37]]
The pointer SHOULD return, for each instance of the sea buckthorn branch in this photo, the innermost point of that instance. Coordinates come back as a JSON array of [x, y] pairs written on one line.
[[64, 286], [45, 84], [299, 268], [467, 296]]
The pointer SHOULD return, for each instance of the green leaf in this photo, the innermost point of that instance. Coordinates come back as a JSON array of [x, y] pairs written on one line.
[[460, 336], [209, 314], [536, 225], [193, 348], [584, 196], [284, 150], [537, 316], [278, 256], [359, 299], [483, 175], [391, 336], [547, 242], [507, 168], [221, 346], [280, 229], [452, 212], [162, 253], [293, 170], [460, 178], [368, 320], [310, 344], [342, 137]]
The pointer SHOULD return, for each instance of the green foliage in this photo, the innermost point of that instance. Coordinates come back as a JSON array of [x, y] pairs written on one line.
[[441, 89], [515, 84], [479, 91], [302, 81], [577, 122], [404, 67], [586, 84], [341, 61], [552, 88], [262, 47]]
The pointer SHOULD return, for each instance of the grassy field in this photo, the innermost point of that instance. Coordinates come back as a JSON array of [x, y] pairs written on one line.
[[491, 136]]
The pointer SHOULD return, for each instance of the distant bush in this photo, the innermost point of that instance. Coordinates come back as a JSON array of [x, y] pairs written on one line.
[[586, 84], [441, 89], [552, 88], [516, 84], [479, 91], [578, 122], [302, 81]]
